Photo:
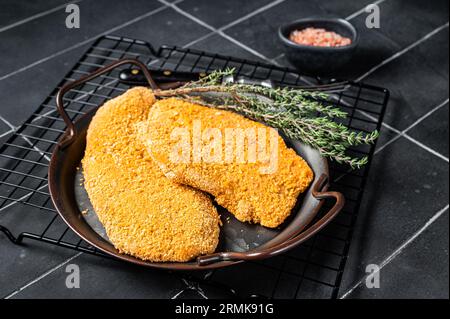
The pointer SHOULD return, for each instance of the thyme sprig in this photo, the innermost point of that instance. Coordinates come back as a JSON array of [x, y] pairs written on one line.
[[302, 115]]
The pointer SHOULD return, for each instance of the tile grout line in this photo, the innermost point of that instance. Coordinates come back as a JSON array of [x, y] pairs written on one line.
[[8, 123], [37, 16], [359, 12], [84, 42], [400, 249], [188, 15], [229, 25], [78, 98], [399, 134], [392, 140], [214, 30], [14, 128], [242, 45], [403, 134], [203, 37], [7, 132], [408, 137], [391, 128], [252, 14], [16, 201], [48, 272], [427, 148], [237, 21], [189, 286], [423, 117], [178, 293], [418, 121], [403, 51], [37, 149]]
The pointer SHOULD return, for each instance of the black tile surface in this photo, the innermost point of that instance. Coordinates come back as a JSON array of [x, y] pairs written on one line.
[[223, 12], [260, 31], [407, 184], [401, 29], [3, 127], [374, 47], [95, 17], [341, 9], [30, 88], [437, 57], [411, 195], [227, 47], [415, 87], [387, 136], [22, 264], [14, 11], [42, 79], [377, 45], [421, 264], [169, 31], [433, 131], [104, 278]]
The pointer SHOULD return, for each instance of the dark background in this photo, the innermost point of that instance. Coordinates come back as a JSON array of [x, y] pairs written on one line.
[[403, 223]]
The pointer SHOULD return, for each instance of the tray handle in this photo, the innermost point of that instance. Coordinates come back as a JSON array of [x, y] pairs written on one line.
[[318, 193], [59, 97]]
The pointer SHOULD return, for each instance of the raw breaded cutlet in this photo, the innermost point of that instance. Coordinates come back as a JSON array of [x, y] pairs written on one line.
[[241, 187], [144, 213]]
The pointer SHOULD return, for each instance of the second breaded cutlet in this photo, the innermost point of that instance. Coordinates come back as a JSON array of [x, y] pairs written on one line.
[[242, 188], [144, 213]]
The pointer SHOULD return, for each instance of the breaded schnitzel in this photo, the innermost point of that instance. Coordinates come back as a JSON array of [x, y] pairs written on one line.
[[243, 188], [144, 213]]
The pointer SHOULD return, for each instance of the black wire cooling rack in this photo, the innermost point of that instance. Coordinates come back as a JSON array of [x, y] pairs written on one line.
[[313, 270]]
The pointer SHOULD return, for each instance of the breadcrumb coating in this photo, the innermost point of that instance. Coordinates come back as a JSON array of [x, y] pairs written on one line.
[[241, 188], [144, 213]]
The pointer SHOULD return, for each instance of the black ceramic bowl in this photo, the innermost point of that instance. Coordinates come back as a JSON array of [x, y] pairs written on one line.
[[315, 60]]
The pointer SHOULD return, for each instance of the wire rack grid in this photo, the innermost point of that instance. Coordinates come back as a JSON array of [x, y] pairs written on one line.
[[313, 270]]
